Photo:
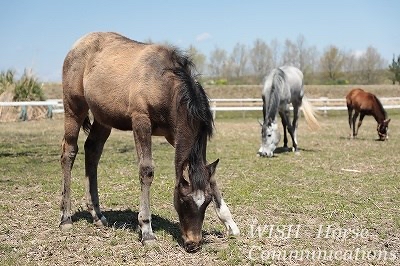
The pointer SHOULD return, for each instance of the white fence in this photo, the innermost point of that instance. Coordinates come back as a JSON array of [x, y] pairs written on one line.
[[217, 105], [323, 104]]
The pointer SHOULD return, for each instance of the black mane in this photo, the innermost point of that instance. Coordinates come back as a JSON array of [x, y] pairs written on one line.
[[381, 106], [193, 97]]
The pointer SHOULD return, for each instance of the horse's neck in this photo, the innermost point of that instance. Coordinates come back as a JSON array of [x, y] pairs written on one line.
[[272, 104], [379, 113]]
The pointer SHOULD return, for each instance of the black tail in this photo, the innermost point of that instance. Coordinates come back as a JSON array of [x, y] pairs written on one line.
[[86, 125]]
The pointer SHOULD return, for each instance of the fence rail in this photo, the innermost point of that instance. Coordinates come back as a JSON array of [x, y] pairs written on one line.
[[323, 104]]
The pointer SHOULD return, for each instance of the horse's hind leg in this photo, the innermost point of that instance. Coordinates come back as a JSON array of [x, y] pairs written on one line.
[[354, 123], [93, 149], [350, 112], [142, 133], [69, 149], [295, 123]]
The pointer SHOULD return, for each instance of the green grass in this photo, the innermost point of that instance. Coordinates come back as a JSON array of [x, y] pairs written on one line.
[[310, 189]]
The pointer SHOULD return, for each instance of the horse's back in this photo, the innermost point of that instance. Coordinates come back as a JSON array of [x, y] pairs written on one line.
[[294, 78], [116, 77], [360, 100]]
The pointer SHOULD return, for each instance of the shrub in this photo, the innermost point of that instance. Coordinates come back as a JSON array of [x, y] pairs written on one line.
[[27, 88]]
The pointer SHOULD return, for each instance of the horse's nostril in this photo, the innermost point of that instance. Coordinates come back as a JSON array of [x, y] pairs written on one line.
[[192, 246]]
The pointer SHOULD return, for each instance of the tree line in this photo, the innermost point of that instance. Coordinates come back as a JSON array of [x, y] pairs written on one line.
[[250, 64]]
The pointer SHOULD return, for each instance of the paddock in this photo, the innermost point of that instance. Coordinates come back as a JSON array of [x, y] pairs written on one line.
[[336, 195]]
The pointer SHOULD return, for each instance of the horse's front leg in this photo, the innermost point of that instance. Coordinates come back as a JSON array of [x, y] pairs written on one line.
[[360, 122], [93, 149], [142, 134], [223, 211], [284, 126]]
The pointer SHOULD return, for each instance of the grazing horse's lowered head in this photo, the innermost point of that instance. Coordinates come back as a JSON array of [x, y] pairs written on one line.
[[270, 138], [383, 129]]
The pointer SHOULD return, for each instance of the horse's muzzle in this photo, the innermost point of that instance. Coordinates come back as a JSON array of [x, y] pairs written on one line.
[[265, 154], [192, 246]]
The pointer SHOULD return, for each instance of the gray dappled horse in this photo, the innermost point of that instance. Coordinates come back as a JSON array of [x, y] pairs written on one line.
[[151, 90], [283, 86]]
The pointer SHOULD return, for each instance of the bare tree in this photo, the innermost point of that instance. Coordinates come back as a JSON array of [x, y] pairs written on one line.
[[274, 47], [331, 63], [371, 63], [217, 63], [260, 58], [198, 58], [238, 59], [290, 54]]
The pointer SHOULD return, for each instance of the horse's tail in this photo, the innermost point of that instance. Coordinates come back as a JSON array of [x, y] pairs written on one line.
[[309, 114], [86, 126]]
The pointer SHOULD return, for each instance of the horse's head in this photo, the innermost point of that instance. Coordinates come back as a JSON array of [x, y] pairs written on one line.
[[383, 129], [270, 138], [191, 203]]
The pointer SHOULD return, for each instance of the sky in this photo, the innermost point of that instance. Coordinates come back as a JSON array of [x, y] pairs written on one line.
[[38, 34]]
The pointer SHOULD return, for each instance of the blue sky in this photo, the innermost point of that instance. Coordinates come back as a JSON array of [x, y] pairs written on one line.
[[38, 34]]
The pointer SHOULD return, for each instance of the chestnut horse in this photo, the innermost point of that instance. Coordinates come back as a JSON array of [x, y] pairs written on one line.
[[364, 103], [151, 90]]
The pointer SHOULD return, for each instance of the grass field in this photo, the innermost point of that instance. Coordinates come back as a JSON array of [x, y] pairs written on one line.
[[341, 198]]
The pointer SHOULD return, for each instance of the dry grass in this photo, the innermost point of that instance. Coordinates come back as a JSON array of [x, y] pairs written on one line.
[[308, 189]]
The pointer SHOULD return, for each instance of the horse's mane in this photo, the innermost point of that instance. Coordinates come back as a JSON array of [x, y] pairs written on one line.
[[193, 96], [278, 80], [380, 106]]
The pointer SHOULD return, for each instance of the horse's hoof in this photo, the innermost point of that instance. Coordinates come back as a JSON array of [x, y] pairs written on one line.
[[101, 222], [66, 225]]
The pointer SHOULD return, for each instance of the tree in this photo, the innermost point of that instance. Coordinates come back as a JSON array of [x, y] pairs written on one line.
[[274, 48], [394, 69], [198, 58], [331, 63], [238, 59], [217, 63], [290, 54], [371, 64], [260, 58]]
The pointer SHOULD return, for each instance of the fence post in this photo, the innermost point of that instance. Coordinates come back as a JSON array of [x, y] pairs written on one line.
[[49, 111], [325, 105], [24, 114], [214, 112]]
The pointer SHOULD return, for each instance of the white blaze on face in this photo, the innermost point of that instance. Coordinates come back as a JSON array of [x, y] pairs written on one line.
[[198, 197]]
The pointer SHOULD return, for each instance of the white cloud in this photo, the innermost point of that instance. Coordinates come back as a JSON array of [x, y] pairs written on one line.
[[204, 36]]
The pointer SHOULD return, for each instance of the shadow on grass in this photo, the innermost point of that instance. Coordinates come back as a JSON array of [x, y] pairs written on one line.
[[128, 220], [281, 150]]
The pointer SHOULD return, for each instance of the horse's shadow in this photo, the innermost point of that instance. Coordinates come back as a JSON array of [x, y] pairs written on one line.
[[280, 150], [128, 220]]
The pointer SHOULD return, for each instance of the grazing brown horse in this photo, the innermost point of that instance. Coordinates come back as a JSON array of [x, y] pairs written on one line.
[[151, 90], [365, 103]]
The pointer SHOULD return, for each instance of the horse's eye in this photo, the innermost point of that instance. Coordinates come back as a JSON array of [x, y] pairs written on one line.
[[269, 135]]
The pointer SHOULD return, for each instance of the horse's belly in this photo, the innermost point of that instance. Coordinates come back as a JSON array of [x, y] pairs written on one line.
[[111, 117]]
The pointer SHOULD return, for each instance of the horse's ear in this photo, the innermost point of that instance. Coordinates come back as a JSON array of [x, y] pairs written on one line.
[[185, 175], [211, 168], [260, 122], [387, 121]]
